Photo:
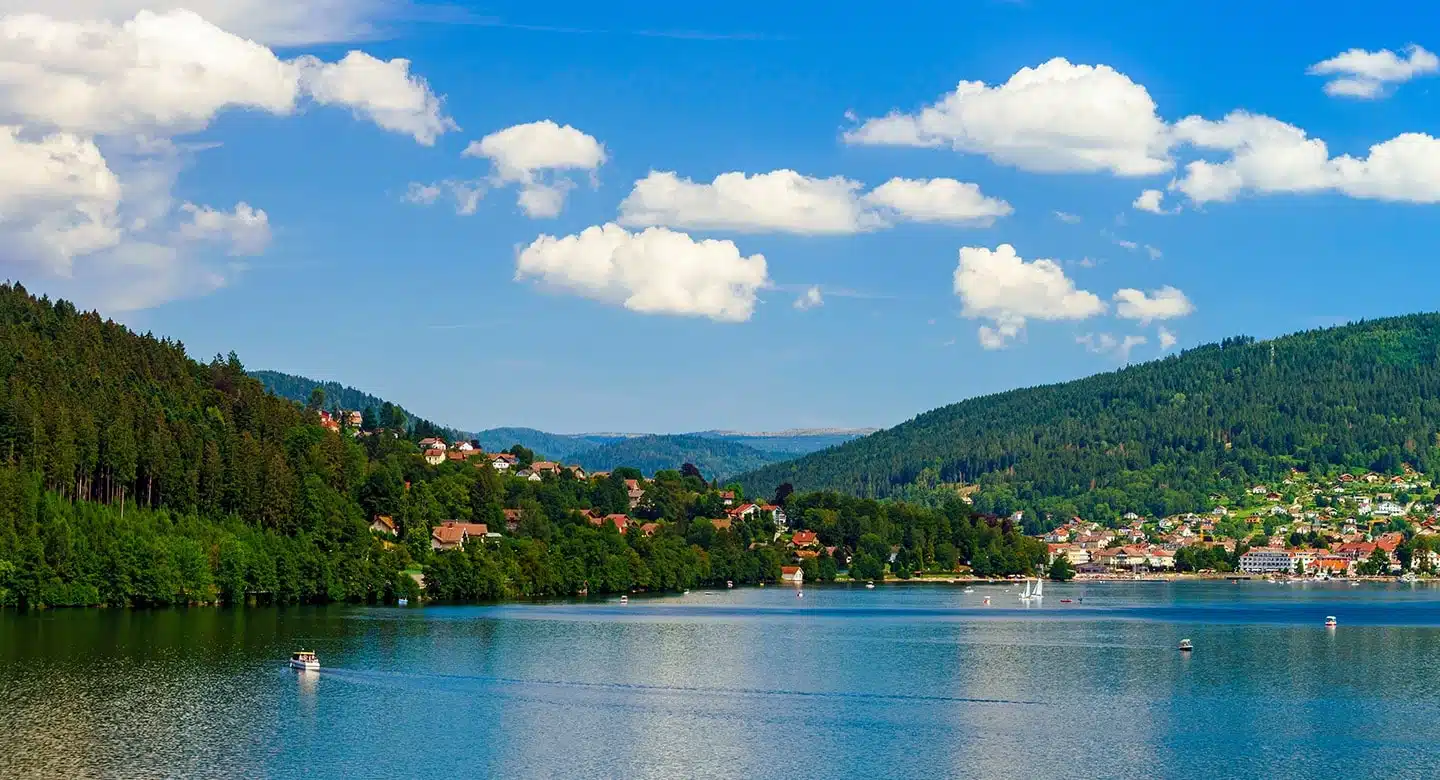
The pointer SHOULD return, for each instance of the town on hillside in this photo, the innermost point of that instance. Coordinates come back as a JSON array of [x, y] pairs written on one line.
[[1345, 525]]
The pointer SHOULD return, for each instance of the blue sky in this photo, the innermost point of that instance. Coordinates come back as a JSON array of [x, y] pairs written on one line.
[[352, 276]]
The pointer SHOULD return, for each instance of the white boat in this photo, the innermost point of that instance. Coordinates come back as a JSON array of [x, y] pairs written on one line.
[[1409, 576], [624, 599], [729, 584], [1026, 595], [1039, 589], [1330, 621], [304, 660], [1186, 646], [402, 602], [799, 594], [869, 586], [968, 590]]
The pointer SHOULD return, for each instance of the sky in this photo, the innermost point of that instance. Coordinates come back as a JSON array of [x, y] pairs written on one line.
[[749, 216]]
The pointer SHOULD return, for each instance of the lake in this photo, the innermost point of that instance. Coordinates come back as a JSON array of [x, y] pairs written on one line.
[[919, 681]]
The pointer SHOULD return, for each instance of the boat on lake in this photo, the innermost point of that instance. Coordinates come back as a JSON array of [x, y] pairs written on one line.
[[624, 599], [1186, 646], [869, 586], [402, 602], [1330, 621], [968, 590], [304, 660]]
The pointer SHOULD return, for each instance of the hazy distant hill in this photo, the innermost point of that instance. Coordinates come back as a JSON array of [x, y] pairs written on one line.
[[1162, 437], [716, 458], [755, 449], [551, 445]]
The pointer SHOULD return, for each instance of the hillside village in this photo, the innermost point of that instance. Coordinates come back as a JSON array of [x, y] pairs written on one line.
[[1348, 525]]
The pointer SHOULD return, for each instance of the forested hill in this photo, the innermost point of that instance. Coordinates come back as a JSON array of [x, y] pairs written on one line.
[[338, 396], [1165, 436], [716, 458]]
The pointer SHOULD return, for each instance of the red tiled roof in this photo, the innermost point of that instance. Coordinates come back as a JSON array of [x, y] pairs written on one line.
[[448, 534], [804, 537]]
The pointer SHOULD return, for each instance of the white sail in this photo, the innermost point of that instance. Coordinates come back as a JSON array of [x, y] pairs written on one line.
[[1025, 594], [1039, 588]]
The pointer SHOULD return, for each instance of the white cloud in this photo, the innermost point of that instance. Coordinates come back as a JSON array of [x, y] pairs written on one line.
[[1067, 218], [465, 194], [246, 229], [789, 202], [382, 91], [999, 286], [1150, 200], [273, 22], [58, 199], [1057, 117], [1364, 74], [88, 108], [779, 201], [1107, 344], [1269, 156], [938, 200], [1167, 339], [657, 271], [532, 155], [1162, 304], [1154, 252], [810, 299], [1124, 244]]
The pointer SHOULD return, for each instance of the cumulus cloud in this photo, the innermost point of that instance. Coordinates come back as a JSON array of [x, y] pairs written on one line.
[[999, 286], [58, 199], [1167, 339], [534, 156], [88, 108], [938, 200], [1268, 156], [1151, 200], [785, 201], [1107, 344], [381, 91], [656, 271], [1067, 217], [810, 299], [779, 201], [1162, 304], [1056, 117], [245, 229], [1362, 74]]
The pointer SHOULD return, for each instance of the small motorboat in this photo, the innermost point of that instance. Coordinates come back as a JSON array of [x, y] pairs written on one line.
[[869, 586], [304, 660], [1330, 621], [987, 600], [1064, 601], [402, 602], [1186, 646], [968, 590], [729, 584], [624, 599], [799, 594]]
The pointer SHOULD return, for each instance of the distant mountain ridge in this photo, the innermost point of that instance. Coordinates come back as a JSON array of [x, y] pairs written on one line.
[[716, 452]]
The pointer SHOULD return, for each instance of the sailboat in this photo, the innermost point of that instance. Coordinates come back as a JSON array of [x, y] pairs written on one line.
[[1025, 594], [1039, 589]]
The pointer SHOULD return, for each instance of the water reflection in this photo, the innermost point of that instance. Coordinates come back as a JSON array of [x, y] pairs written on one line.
[[898, 681]]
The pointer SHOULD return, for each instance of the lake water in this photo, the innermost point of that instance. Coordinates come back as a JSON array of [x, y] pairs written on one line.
[[900, 681]]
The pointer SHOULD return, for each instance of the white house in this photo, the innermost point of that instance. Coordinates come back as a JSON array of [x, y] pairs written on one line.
[[435, 456], [792, 574]]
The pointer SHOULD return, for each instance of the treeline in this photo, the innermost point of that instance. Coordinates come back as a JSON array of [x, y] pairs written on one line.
[[1162, 437], [337, 397], [133, 475]]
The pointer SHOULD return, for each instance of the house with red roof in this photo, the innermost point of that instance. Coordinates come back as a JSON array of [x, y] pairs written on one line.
[[792, 574], [804, 539], [384, 524]]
